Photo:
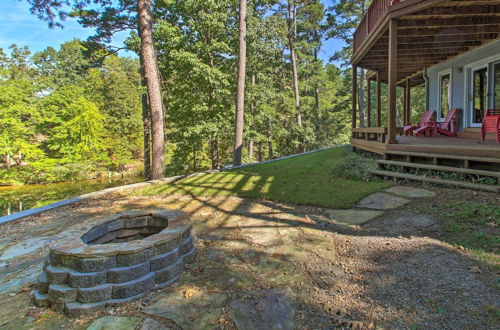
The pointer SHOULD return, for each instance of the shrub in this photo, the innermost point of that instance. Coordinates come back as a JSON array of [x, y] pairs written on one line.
[[358, 167]]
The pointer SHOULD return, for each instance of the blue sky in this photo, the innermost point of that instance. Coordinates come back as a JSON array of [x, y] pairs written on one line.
[[18, 26]]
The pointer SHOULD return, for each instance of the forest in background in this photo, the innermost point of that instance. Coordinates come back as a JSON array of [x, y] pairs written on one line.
[[75, 112]]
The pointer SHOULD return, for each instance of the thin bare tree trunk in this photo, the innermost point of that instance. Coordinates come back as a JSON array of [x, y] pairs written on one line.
[[146, 121], [292, 36], [240, 94], [250, 151], [214, 150], [152, 78]]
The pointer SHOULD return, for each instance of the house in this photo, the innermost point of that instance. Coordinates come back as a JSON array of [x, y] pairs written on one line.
[[452, 49]]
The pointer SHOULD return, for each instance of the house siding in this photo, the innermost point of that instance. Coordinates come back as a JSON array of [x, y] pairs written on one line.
[[458, 67]]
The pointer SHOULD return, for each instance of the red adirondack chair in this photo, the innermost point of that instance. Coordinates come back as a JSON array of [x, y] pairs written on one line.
[[424, 122], [449, 126], [491, 123]]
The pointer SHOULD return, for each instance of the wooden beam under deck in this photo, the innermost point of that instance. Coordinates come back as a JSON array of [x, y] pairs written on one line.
[[441, 147]]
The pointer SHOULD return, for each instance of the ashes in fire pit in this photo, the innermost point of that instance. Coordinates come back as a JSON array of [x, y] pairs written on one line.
[[117, 260]]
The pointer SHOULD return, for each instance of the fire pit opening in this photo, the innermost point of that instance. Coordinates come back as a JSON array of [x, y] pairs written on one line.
[[125, 229]]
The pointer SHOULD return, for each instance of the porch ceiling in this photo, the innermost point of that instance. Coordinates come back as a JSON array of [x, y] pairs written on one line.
[[428, 35]]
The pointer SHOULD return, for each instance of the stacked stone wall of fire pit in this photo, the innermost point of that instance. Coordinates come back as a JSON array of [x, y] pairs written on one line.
[[120, 259]]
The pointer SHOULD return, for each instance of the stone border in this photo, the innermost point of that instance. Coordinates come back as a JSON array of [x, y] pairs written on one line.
[[140, 185], [79, 278]]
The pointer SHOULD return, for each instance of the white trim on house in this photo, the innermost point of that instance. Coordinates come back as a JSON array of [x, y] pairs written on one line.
[[469, 68], [440, 116]]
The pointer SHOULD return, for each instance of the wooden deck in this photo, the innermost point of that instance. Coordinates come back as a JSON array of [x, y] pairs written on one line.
[[439, 146]]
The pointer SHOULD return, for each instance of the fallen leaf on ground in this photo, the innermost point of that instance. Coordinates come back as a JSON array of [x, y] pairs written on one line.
[[476, 270], [189, 292]]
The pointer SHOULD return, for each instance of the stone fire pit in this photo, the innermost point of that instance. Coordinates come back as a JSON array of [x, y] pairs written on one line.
[[116, 260]]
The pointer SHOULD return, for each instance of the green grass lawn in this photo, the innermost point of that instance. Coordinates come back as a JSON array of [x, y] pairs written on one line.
[[321, 179]]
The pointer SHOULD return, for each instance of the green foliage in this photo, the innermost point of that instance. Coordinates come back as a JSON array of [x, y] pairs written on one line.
[[357, 167], [66, 114]]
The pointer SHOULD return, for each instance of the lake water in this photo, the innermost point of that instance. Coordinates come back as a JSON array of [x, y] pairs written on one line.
[[18, 198]]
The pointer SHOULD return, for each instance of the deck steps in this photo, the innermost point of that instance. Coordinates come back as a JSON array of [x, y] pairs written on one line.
[[412, 177], [495, 174], [444, 156]]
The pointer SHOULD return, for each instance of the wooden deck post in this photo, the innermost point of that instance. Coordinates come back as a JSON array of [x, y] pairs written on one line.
[[354, 96], [393, 77], [369, 103], [379, 101], [407, 102]]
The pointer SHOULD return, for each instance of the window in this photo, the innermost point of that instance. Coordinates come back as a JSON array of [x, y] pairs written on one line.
[[444, 93]]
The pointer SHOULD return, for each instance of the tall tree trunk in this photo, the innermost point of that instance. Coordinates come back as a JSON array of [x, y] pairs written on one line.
[[214, 151], [316, 101], [146, 121], [292, 36], [152, 78], [240, 94], [250, 151], [251, 143], [362, 98], [259, 152]]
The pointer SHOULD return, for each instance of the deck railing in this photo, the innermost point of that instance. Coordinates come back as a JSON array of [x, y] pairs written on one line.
[[377, 10]]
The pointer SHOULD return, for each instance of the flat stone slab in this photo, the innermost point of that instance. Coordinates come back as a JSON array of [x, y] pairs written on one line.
[[410, 192], [263, 310], [152, 324], [189, 308], [351, 217], [382, 201], [115, 323], [29, 246]]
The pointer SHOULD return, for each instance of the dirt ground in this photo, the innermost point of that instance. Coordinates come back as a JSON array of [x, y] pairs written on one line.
[[393, 272]]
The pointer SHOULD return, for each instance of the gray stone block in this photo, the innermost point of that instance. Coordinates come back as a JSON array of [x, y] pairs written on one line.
[[113, 302], [58, 307], [116, 225], [167, 246], [95, 294], [127, 274], [41, 299], [64, 261], [92, 265], [126, 260], [56, 275], [86, 280], [165, 284], [151, 230], [135, 287], [164, 260], [42, 283], [186, 246], [128, 232], [61, 294], [137, 222], [54, 259], [95, 233], [157, 222], [186, 233], [75, 310], [105, 239], [169, 273], [189, 257]]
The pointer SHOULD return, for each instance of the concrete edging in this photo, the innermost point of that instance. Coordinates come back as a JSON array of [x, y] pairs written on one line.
[[140, 185]]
